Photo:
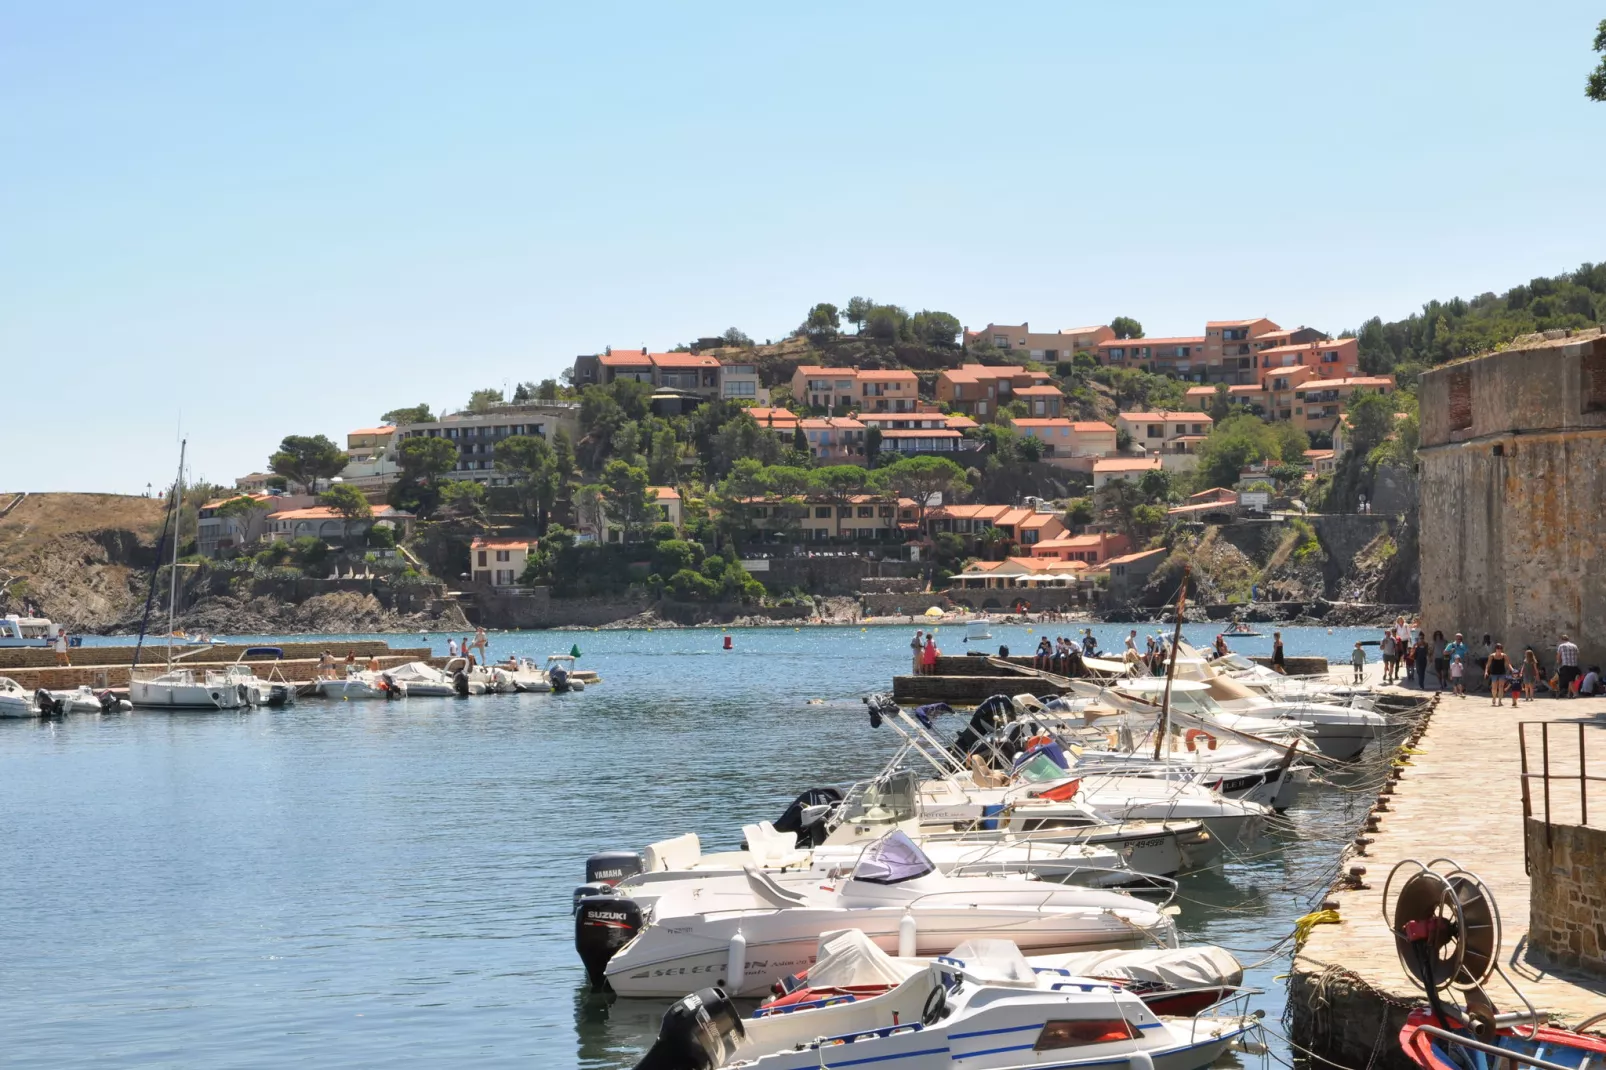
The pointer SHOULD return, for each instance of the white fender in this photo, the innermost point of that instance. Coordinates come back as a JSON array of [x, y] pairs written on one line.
[[1140, 1060], [906, 936], [735, 963]]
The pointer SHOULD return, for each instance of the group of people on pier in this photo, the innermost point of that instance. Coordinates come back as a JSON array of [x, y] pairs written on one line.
[[1410, 654]]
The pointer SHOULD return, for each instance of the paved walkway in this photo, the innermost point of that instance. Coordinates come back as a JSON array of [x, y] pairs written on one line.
[[1462, 799]]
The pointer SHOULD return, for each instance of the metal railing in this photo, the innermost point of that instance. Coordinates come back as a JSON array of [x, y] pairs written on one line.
[[1552, 761]]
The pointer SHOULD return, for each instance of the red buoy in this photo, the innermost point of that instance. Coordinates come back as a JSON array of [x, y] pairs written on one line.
[[727, 642]]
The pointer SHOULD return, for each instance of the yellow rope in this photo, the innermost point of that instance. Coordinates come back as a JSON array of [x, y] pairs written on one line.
[[1304, 925]]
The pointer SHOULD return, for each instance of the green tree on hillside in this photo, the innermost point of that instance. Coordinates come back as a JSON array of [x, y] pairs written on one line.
[[529, 462], [412, 414], [735, 337], [423, 462], [935, 328], [305, 459], [857, 312], [885, 323], [1234, 444], [482, 400], [352, 506], [625, 499], [1371, 420], [1595, 87], [822, 322], [919, 478], [1126, 327]]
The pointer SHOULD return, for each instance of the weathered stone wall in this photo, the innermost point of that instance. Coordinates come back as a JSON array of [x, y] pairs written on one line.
[[1567, 902], [534, 607], [1513, 464], [1038, 599], [886, 605], [829, 575]]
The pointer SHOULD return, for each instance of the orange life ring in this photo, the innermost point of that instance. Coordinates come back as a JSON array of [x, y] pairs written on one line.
[[1194, 733]]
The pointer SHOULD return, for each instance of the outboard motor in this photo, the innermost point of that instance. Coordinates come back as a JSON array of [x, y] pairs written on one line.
[[460, 683], [590, 891], [699, 1032], [49, 705], [559, 679], [389, 683], [987, 717], [602, 925], [611, 867], [280, 695], [108, 702], [807, 816]]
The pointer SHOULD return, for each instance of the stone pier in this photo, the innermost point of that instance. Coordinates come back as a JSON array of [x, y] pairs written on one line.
[[1462, 799]]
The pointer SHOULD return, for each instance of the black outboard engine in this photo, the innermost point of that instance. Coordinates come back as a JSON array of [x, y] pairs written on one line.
[[590, 891], [806, 816], [280, 695], [390, 686], [108, 702], [602, 925], [460, 683], [699, 1032], [988, 716], [49, 705], [559, 679], [611, 867]]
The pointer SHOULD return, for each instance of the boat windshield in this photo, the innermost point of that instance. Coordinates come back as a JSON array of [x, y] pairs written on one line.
[[1040, 769], [892, 859], [890, 800]]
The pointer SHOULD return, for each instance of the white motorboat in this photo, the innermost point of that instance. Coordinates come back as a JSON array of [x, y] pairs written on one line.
[[1275, 685], [1340, 732], [85, 699], [361, 686], [423, 680], [1170, 980], [184, 688], [523, 674], [778, 852], [983, 1007], [978, 629], [16, 700], [478, 679], [744, 933], [18, 631], [562, 675]]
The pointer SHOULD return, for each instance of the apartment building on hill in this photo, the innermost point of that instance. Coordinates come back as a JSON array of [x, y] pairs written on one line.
[[979, 390], [1060, 345], [1182, 357]]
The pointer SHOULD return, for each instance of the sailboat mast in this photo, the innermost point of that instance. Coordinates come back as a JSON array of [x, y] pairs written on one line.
[[1171, 667], [178, 516]]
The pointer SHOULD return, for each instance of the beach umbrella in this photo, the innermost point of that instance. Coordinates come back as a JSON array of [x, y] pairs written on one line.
[[934, 612]]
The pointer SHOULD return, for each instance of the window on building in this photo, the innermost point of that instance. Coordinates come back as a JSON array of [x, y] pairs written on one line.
[[482, 561], [822, 512], [1155, 431], [822, 533], [504, 555], [884, 510], [866, 511], [1592, 375]]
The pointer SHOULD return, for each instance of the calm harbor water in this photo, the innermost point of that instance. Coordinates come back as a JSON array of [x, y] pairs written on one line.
[[355, 884]]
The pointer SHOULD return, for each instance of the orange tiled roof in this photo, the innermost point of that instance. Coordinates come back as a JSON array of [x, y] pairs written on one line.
[[631, 358], [1306, 347], [1168, 417], [1037, 390], [683, 360], [890, 376], [1199, 341], [1125, 464], [1359, 380], [1141, 555], [385, 430], [665, 494], [482, 543], [1236, 323]]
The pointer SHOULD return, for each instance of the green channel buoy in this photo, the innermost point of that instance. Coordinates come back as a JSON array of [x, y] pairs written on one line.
[[574, 651]]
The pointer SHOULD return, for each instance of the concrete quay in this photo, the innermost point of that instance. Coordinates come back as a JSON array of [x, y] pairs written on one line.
[[110, 666], [1461, 798]]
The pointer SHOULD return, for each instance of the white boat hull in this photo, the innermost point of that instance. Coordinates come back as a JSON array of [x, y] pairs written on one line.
[[145, 694]]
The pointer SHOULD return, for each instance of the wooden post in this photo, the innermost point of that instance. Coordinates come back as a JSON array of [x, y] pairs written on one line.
[[1171, 666]]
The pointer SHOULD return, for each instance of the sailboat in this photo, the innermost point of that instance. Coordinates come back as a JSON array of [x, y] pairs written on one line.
[[177, 686]]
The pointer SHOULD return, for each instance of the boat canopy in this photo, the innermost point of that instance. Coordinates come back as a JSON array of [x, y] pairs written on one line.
[[276, 652], [847, 958], [892, 859], [995, 961]]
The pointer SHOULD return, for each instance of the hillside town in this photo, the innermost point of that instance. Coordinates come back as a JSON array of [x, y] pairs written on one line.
[[1000, 468]]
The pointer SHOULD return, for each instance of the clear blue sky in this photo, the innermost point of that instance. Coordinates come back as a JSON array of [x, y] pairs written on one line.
[[291, 217]]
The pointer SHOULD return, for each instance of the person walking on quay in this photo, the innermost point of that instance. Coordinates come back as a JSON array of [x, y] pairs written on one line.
[[1530, 675], [1357, 659], [451, 648], [1456, 649], [917, 647], [1277, 663], [1441, 660], [1494, 670], [1566, 665], [929, 656], [63, 646], [1390, 651], [1458, 668], [1407, 654], [1481, 659], [1419, 658]]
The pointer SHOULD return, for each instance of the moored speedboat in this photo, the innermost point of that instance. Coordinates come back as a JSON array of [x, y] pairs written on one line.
[[16, 700], [747, 932], [362, 685], [982, 1007]]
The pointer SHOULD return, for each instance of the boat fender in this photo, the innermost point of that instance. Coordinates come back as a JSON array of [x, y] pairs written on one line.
[[699, 1032], [603, 925], [588, 891], [736, 962], [907, 933], [1194, 733], [936, 1004], [611, 867], [49, 704], [1140, 1060]]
